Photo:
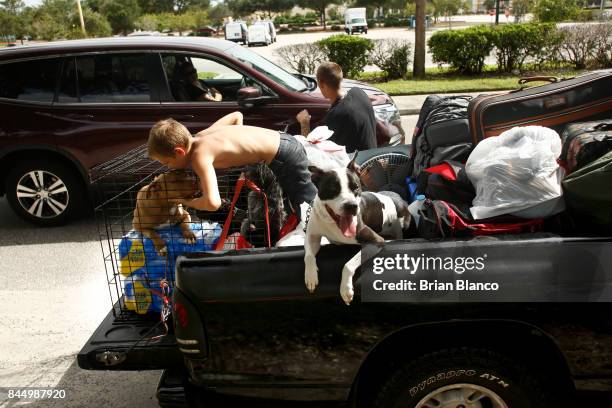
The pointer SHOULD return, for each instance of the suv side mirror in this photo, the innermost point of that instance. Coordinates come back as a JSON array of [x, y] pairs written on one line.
[[250, 96]]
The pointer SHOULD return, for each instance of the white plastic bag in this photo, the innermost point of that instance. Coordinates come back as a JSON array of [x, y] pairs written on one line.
[[322, 152], [517, 173]]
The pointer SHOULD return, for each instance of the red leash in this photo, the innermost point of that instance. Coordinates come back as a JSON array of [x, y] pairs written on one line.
[[226, 226]]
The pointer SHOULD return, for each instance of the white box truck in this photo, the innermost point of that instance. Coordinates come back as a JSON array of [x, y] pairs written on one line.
[[237, 32], [355, 21], [259, 34]]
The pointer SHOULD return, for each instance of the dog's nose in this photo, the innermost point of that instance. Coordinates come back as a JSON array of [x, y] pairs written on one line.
[[350, 208]]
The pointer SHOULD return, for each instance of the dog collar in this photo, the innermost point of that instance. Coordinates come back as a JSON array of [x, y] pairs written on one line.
[[308, 211]]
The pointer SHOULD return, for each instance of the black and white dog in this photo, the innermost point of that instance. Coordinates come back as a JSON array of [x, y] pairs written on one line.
[[345, 215]]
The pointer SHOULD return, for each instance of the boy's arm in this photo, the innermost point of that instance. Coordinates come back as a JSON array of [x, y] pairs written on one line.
[[234, 118], [210, 200]]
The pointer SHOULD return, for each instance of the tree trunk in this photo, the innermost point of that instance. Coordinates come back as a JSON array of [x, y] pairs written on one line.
[[323, 19], [419, 41]]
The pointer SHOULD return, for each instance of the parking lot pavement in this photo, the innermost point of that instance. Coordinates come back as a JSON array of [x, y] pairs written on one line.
[[408, 124]]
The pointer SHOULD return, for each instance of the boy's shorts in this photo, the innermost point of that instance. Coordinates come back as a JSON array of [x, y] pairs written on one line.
[[290, 166]]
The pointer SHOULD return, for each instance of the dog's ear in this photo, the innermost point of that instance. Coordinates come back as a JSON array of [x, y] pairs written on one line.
[[352, 166], [315, 174]]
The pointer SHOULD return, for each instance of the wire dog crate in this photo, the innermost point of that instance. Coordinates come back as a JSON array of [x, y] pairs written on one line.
[[133, 206]]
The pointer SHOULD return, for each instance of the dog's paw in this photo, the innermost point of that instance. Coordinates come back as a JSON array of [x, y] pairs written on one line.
[[346, 291], [311, 278], [189, 237]]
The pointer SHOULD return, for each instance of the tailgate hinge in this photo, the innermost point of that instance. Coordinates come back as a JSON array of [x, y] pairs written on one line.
[[111, 358]]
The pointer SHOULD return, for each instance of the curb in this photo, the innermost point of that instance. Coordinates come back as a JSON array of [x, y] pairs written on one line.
[[412, 111]]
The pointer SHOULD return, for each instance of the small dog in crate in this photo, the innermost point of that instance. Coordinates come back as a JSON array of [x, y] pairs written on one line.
[[252, 227], [154, 207], [344, 215]]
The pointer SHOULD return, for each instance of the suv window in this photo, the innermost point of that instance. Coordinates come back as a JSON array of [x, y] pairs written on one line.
[[210, 75], [29, 80], [108, 78]]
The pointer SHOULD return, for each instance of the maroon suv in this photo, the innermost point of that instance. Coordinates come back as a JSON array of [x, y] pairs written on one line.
[[69, 105]]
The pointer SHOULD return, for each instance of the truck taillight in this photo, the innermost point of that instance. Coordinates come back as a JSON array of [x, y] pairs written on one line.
[[180, 314]]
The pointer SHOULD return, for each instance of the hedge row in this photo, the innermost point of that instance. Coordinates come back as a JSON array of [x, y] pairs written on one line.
[[514, 44], [351, 53]]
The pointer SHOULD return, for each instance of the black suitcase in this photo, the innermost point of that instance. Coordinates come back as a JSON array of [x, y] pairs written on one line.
[[444, 136], [586, 97], [585, 142], [447, 124]]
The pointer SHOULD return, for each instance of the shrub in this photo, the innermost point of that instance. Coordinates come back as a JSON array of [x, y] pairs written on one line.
[[464, 50], [336, 27], [371, 23], [394, 22], [586, 43], [555, 10], [302, 58], [351, 53], [603, 50], [392, 57], [514, 43]]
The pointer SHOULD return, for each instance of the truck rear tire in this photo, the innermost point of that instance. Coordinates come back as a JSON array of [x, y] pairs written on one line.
[[466, 377]]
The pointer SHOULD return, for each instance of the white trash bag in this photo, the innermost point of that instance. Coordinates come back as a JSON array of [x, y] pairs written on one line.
[[321, 152], [517, 173]]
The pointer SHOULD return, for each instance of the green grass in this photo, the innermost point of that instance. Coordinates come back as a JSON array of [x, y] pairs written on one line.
[[207, 75], [442, 81]]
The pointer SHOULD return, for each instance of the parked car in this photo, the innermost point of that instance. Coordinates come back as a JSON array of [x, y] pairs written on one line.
[[259, 34], [237, 31], [70, 105]]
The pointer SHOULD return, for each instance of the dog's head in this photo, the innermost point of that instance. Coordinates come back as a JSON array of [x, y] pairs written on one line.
[[172, 185], [340, 192]]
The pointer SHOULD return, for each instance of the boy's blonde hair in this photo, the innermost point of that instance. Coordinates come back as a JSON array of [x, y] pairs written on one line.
[[164, 136]]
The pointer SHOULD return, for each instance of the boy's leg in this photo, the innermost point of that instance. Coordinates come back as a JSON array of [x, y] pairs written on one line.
[[290, 166]]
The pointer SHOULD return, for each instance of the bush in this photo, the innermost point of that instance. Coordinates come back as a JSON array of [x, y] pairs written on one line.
[[464, 50], [514, 43], [371, 23], [586, 43], [336, 27], [603, 49], [555, 10], [395, 22], [351, 53], [302, 58], [392, 57]]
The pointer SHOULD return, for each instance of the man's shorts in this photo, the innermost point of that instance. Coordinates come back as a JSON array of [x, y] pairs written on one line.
[[290, 166]]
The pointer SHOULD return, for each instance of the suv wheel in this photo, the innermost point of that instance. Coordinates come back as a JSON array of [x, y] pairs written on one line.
[[465, 377], [45, 194]]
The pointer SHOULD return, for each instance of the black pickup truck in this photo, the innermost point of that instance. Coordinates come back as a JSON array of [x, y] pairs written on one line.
[[243, 323]]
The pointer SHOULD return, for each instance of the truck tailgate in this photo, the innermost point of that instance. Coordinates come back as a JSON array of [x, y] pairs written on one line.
[[123, 342]]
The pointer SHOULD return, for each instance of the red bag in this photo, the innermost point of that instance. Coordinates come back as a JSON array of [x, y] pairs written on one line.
[[439, 219]]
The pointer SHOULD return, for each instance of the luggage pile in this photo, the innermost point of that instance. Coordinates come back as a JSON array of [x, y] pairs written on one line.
[[512, 162]]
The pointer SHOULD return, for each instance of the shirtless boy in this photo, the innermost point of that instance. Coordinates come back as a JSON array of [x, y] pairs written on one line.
[[228, 143]]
